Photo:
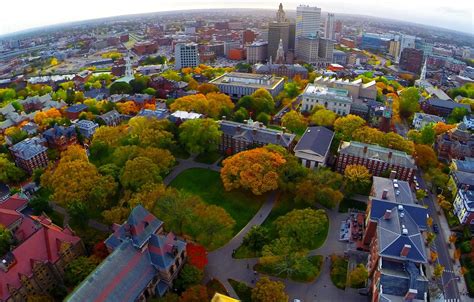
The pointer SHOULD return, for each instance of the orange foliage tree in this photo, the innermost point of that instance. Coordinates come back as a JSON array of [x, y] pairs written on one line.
[[213, 104], [255, 170], [128, 107], [425, 157], [42, 117], [441, 127]]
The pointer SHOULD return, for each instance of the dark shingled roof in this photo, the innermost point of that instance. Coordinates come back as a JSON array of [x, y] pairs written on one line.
[[76, 108], [417, 212], [316, 139], [448, 104]]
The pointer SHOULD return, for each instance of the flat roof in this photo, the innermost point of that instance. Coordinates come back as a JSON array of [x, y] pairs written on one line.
[[239, 79]]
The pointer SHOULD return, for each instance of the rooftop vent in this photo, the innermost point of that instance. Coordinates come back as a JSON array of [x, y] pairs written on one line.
[[400, 207]]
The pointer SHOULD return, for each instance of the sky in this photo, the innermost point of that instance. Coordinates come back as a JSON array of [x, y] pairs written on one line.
[[24, 14]]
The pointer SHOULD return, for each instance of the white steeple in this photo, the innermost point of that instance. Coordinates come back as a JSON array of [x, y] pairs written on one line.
[[128, 66], [423, 72], [280, 55]]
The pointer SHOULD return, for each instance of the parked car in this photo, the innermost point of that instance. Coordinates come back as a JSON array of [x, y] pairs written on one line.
[[435, 228]]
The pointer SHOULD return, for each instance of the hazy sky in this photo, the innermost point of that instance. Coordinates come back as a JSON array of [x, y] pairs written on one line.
[[22, 14]]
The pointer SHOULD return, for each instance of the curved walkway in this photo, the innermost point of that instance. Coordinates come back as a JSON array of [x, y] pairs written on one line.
[[185, 164]]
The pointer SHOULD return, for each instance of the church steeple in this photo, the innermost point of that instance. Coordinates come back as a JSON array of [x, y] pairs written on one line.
[[280, 55], [281, 16], [423, 72]]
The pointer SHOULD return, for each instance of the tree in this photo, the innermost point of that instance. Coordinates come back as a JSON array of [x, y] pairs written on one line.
[[320, 186], [197, 255], [260, 101], [420, 194], [409, 102], [427, 135], [138, 172], [40, 204], [241, 114], [149, 132], [438, 270], [6, 240], [200, 135], [303, 226], [452, 238], [206, 88], [213, 226], [128, 108], [269, 291], [256, 238], [15, 134], [294, 122], [189, 276], [323, 117], [213, 104], [255, 170], [425, 157], [78, 269], [358, 276], [121, 88], [457, 254], [76, 179], [9, 173], [264, 118], [197, 293], [291, 90], [346, 125], [457, 115], [430, 237], [443, 203], [441, 127], [358, 178]]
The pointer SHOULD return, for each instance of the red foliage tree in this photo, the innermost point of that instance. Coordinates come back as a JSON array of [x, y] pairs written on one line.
[[197, 293], [100, 250], [197, 255]]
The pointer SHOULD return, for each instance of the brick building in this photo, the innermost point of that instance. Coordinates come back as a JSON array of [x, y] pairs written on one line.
[[72, 112], [377, 159], [30, 154], [60, 137], [35, 264], [457, 143], [237, 137], [411, 60], [145, 48], [144, 261]]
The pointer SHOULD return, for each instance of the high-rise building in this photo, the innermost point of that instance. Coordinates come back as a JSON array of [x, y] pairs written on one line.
[[257, 52], [411, 60], [229, 45], [406, 41], [291, 37], [308, 21], [329, 28], [394, 49], [186, 55], [325, 51], [280, 56], [278, 30], [307, 49]]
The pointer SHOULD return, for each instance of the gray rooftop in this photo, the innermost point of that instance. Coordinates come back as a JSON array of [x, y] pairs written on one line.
[[398, 191], [29, 148], [316, 139]]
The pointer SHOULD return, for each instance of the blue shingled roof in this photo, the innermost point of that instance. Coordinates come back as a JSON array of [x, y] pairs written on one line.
[[418, 213], [77, 108], [161, 248]]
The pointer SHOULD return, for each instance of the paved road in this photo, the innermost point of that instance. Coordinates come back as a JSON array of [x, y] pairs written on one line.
[[451, 290]]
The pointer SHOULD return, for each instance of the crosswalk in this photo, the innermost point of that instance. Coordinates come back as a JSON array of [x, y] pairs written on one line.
[[452, 300], [449, 272]]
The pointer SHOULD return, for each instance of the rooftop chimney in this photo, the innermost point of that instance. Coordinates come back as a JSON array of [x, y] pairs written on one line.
[[390, 155], [393, 174], [405, 250], [411, 294], [384, 194], [365, 149], [388, 214], [238, 129], [278, 136]]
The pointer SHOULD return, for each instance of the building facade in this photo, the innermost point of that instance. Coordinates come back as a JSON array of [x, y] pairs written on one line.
[[257, 52], [378, 160], [411, 60], [329, 27], [30, 154], [308, 21], [281, 70], [186, 55], [60, 137], [313, 147], [87, 128], [357, 89], [337, 100]]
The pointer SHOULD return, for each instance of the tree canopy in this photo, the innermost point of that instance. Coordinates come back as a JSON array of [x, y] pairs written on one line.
[[409, 102], [213, 104], [200, 135], [294, 122], [267, 290]]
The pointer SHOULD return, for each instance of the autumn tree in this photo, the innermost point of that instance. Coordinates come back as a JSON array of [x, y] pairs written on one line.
[[15, 134], [188, 276], [323, 117], [427, 135], [196, 293], [433, 256], [443, 203], [303, 226], [358, 276], [430, 237], [75, 179], [452, 238], [128, 108], [206, 88], [149, 132], [420, 194], [269, 291], [200, 135], [441, 127], [260, 101], [78, 269], [438, 270], [321, 186], [409, 102], [197, 255], [213, 104], [138, 172], [345, 126], [9, 173], [255, 170], [358, 179], [294, 122]]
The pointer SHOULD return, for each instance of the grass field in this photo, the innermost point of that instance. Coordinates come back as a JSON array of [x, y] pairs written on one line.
[[207, 184]]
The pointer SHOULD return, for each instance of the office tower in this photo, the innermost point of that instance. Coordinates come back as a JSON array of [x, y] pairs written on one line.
[[229, 45], [394, 49], [406, 41], [278, 30], [411, 60], [186, 55], [257, 52], [291, 37], [308, 21], [329, 28], [280, 56], [325, 50], [307, 49]]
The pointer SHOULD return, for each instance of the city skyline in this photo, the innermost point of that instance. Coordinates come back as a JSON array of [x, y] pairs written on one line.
[[44, 13]]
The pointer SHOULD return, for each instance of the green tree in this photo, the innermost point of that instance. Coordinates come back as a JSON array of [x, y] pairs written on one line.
[[200, 135], [121, 88], [294, 122], [457, 115], [6, 240], [345, 126], [9, 173], [39, 205], [427, 135], [189, 276], [150, 91], [438, 271], [269, 291], [260, 101], [291, 90], [241, 114], [409, 102], [358, 276], [256, 238], [264, 118], [303, 226], [138, 172], [420, 194], [78, 269], [323, 117]]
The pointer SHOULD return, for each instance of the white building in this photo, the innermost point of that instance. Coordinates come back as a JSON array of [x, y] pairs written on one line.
[[468, 120], [357, 89], [308, 21], [257, 52], [186, 55], [420, 120], [336, 100], [329, 32], [313, 147]]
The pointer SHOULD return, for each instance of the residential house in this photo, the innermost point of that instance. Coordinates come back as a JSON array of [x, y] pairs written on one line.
[[87, 128], [73, 112], [461, 185], [30, 154], [378, 160], [30, 128], [112, 118], [60, 137], [237, 137], [420, 120], [143, 262], [457, 143], [35, 264], [468, 120], [313, 147], [442, 107]]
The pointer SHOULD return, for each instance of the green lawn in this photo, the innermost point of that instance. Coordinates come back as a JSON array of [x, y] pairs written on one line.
[[208, 157], [207, 184], [242, 290], [316, 262], [347, 204]]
